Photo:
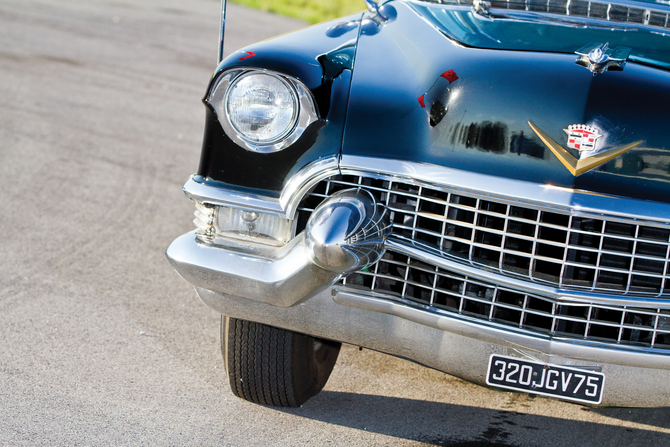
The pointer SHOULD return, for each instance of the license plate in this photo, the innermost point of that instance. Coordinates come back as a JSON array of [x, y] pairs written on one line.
[[547, 380]]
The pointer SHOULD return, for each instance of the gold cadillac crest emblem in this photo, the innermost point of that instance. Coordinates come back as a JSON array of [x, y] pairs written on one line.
[[584, 139]]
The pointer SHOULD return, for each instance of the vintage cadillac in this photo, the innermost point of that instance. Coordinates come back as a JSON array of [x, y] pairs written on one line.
[[482, 187]]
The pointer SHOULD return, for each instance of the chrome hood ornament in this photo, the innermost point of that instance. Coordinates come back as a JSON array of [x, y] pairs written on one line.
[[373, 7], [599, 57]]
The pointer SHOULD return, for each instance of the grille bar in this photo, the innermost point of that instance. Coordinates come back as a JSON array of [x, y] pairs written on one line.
[[550, 246]]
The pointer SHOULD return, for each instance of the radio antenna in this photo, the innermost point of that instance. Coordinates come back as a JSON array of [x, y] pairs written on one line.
[[222, 30]]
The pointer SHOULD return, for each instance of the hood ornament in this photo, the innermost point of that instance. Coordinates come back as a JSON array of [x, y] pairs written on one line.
[[582, 138], [373, 7], [599, 57]]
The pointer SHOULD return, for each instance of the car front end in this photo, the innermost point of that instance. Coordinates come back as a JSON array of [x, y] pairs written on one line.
[[479, 187]]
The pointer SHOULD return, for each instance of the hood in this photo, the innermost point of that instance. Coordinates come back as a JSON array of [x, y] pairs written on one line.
[[418, 94]]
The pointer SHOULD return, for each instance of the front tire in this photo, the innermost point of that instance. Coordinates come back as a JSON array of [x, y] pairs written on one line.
[[272, 366]]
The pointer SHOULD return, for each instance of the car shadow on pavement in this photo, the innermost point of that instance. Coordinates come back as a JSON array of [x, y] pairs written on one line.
[[657, 417], [443, 424]]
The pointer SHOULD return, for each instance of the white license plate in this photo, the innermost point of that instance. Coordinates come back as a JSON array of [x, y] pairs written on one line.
[[547, 380]]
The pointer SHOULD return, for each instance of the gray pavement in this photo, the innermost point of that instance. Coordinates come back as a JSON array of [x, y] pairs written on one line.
[[101, 343]]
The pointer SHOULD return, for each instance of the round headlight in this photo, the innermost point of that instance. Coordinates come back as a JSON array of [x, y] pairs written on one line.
[[262, 108], [262, 111]]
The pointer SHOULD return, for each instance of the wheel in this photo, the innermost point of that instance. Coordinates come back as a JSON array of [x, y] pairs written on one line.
[[273, 366]]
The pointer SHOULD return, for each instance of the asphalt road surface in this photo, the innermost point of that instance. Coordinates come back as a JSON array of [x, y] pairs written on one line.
[[101, 343]]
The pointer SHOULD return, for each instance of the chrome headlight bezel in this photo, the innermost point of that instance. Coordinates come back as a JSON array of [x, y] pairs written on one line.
[[305, 114]]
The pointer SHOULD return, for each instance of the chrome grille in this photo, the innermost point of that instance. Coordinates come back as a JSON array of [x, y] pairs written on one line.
[[550, 246], [401, 276]]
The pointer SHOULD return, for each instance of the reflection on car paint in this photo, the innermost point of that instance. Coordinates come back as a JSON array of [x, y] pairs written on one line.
[[438, 96], [249, 54], [519, 144], [336, 61]]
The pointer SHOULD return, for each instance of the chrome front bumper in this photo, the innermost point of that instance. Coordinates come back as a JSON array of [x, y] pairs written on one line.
[[295, 287], [281, 278], [451, 343]]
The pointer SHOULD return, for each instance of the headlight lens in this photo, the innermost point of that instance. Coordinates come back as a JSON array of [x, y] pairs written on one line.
[[262, 108]]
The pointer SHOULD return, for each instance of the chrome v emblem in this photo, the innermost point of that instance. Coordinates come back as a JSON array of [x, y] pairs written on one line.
[[579, 166]]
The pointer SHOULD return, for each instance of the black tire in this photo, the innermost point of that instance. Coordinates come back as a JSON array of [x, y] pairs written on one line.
[[272, 366]]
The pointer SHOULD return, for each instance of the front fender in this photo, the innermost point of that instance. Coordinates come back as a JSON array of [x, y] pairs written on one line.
[[322, 58]]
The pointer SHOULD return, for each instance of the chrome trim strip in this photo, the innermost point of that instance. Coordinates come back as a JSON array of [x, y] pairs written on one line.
[[522, 285], [303, 180], [287, 203], [221, 196], [542, 196], [492, 333]]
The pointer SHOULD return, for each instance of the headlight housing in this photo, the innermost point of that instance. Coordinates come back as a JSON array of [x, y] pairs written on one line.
[[260, 110]]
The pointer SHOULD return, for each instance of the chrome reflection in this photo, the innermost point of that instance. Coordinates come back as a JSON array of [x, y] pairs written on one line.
[[599, 58], [347, 231], [373, 7]]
